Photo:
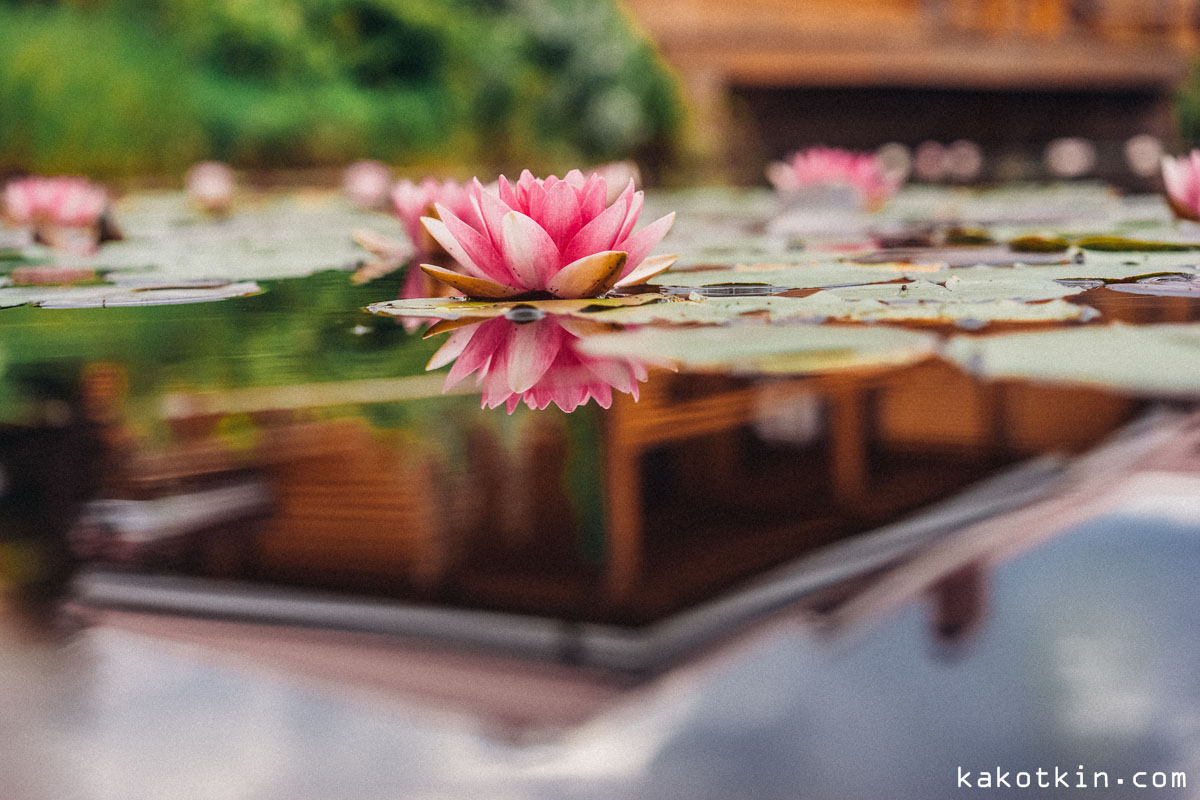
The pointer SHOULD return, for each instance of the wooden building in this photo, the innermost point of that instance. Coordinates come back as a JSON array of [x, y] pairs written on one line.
[[767, 76]]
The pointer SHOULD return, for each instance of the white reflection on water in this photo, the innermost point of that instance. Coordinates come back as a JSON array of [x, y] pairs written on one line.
[[782, 715]]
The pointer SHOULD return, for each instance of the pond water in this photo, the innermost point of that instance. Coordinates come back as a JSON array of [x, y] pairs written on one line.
[[231, 399]]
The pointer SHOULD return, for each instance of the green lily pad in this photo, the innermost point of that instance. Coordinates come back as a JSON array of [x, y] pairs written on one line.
[[779, 349], [810, 276], [1117, 244], [1155, 360], [113, 296], [829, 305], [963, 287], [452, 308], [1039, 244]]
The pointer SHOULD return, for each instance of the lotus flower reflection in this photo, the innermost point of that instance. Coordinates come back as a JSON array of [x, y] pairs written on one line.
[[536, 363], [1181, 179], [828, 167], [555, 237], [66, 213]]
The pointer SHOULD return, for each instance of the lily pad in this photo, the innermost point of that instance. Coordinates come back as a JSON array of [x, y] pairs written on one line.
[[829, 305], [810, 276], [450, 308], [969, 287], [112, 296], [1166, 285], [1155, 360], [960, 256], [1117, 244], [1039, 244], [778, 349]]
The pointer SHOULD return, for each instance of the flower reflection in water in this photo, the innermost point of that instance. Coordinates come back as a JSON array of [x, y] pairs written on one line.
[[535, 362]]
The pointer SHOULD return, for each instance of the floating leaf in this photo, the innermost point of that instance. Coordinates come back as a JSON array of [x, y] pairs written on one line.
[[451, 308], [958, 257], [968, 287], [829, 305], [113, 296], [1117, 244], [1166, 285], [1154, 359], [968, 236], [812, 276], [1039, 244], [792, 349]]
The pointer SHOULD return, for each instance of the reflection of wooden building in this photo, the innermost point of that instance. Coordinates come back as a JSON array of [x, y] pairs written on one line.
[[707, 481], [1008, 74]]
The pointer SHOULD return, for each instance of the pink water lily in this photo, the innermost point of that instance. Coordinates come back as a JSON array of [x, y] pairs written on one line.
[[536, 363], [865, 173], [553, 236], [64, 212], [412, 201], [1181, 179], [211, 185], [366, 183]]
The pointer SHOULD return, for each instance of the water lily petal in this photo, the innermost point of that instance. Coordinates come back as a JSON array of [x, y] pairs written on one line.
[[441, 234], [508, 194], [588, 276], [641, 243], [599, 234], [561, 217], [524, 185], [636, 200], [452, 348], [532, 349], [491, 210], [592, 197], [529, 252], [471, 286], [536, 206], [654, 265], [575, 179], [446, 326], [486, 341]]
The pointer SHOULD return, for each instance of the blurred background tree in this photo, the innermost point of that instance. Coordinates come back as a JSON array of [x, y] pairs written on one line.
[[116, 88]]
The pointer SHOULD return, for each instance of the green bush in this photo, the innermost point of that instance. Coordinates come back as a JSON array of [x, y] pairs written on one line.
[[122, 87]]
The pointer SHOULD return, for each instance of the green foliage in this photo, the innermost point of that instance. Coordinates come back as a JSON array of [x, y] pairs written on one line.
[[118, 87], [1187, 108], [82, 93]]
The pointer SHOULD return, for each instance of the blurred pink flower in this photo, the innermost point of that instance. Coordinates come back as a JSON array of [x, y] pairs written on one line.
[[830, 167], [64, 212], [211, 185], [415, 200], [366, 183], [552, 236], [536, 363], [1181, 178], [617, 174]]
